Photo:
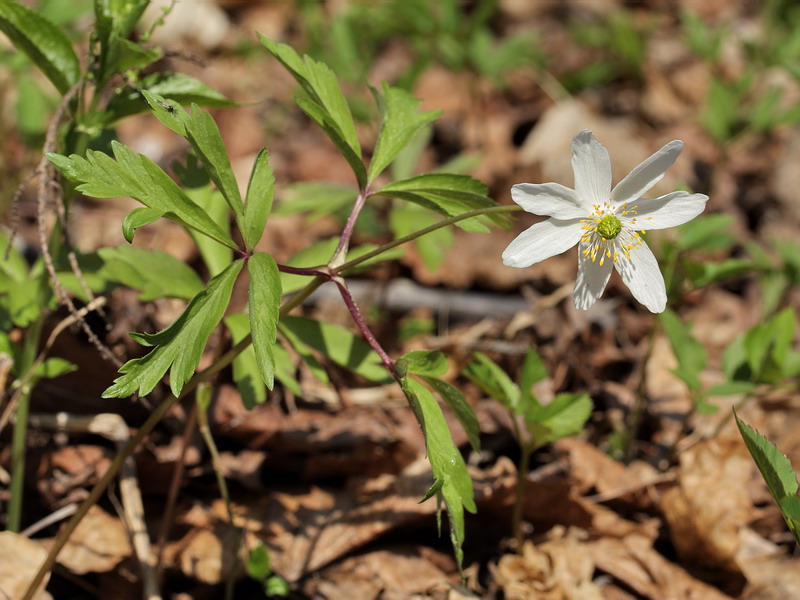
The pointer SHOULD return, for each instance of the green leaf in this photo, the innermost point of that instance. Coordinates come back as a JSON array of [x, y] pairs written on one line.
[[135, 175], [432, 247], [776, 469], [425, 362], [138, 217], [448, 466], [305, 354], [168, 111], [124, 55], [276, 586], [774, 466], [320, 199], [203, 133], [339, 345], [260, 191], [258, 562], [325, 104], [179, 88], [448, 195], [118, 16], [198, 187], [323, 119], [688, 351], [460, 407], [179, 346], [783, 326], [13, 264], [400, 120], [263, 304], [701, 274], [564, 416], [707, 232], [488, 376], [157, 274], [533, 371], [44, 43], [730, 388], [246, 373], [26, 299], [54, 367]]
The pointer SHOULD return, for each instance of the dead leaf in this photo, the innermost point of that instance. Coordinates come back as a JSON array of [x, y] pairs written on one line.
[[634, 562], [208, 555], [398, 573], [560, 568], [710, 504], [98, 544], [20, 559]]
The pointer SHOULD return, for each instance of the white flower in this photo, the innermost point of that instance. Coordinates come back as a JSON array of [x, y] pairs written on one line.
[[606, 224]]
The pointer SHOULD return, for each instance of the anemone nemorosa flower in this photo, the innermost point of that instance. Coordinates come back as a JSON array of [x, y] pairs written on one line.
[[607, 224]]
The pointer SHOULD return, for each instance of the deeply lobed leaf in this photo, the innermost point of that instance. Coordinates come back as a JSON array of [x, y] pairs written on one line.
[[135, 175], [179, 346]]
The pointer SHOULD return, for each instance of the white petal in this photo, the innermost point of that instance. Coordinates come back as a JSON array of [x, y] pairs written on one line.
[[548, 199], [668, 211], [592, 280], [592, 168], [647, 174], [541, 241], [643, 277]]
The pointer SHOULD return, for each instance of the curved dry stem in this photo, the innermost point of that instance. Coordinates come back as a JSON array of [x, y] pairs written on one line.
[[47, 185]]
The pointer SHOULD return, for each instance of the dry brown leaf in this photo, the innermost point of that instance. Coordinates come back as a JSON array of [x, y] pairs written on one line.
[[710, 504], [560, 568], [20, 558], [592, 468], [397, 573], [98, 544], [208, 555], [774, 578], [554, 502], [634, 562]]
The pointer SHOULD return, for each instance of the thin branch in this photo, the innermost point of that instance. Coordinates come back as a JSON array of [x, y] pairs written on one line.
[[344, 241], [364, 328], [47, 181]]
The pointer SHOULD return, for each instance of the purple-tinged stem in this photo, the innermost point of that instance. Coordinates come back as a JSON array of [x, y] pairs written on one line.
[[365, 330], [307, 271], [347, 232]]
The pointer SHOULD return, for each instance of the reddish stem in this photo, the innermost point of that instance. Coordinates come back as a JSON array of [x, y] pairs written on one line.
[[365, 330]]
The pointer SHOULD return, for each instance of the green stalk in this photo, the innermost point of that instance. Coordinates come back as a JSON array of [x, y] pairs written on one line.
[[20, 435], [203, 399]]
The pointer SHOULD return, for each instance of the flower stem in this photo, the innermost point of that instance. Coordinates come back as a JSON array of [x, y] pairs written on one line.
[[364, 328], [347, 232], [412, 236]]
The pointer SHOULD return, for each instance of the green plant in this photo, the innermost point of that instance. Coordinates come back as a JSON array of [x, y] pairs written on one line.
[[535, 423], [777, 472]]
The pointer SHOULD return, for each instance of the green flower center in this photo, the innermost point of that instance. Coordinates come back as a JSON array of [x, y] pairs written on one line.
[[609, 227]]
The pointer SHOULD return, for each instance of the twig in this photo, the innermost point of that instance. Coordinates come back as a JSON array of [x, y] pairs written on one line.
[[47, 179], [113, 427], [54, 517], [172, 493]]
